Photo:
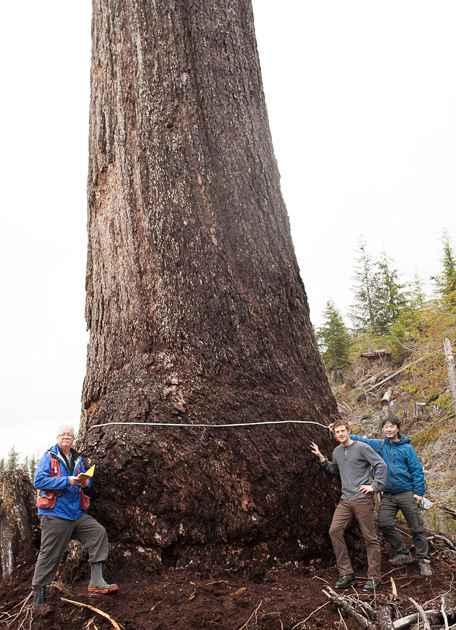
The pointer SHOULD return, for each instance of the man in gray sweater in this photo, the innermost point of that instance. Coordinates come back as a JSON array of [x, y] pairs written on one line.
[[354, 465]]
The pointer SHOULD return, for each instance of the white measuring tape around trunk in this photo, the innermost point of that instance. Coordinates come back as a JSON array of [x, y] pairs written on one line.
[[209, 426]]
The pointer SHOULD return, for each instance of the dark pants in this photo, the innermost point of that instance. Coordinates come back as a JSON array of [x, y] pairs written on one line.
[[56, 533], [387, 512], [362, 510]]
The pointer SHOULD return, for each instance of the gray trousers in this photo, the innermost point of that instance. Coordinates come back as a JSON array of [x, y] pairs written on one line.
[[387, 512], [56, 533]]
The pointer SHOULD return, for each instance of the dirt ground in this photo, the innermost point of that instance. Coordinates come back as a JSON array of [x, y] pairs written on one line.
[[283, 597]]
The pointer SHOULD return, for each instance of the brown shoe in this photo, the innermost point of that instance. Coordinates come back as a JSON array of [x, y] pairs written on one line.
[[425, 568], [346, 581], [400, 559], [372, 586]]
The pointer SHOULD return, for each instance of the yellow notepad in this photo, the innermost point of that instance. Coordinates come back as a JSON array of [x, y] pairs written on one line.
[[88, 474]]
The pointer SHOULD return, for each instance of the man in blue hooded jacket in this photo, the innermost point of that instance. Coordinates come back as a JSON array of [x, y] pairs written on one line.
[[404, 490], [57, 472]]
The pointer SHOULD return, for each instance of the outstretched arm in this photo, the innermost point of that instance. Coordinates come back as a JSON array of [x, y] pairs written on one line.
[[328, 466], [316, 451], [374, 443]]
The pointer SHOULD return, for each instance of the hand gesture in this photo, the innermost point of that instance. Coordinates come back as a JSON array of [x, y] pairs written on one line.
[[316, 451]]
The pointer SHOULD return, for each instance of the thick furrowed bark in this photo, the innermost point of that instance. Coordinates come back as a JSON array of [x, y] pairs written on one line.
[[195, 305]]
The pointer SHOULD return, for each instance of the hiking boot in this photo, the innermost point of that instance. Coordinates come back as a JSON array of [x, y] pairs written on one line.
[[371, 586], [345, 581], [97, 582], [39, 596], [425, 568], [400, 559]]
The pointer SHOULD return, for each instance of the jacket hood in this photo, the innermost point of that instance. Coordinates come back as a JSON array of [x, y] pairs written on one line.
[[403, 439]]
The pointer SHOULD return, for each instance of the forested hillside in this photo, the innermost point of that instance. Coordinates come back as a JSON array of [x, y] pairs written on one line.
[[396, 358]]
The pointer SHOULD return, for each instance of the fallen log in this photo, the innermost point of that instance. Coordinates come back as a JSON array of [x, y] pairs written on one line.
[[446, 541], [376, 354], [448, 510], [373, 378], [384, 620], [388, 378], [432, 615]]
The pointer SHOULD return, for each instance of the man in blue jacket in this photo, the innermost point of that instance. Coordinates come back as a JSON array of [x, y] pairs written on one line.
[[404, 490], [64, 519]]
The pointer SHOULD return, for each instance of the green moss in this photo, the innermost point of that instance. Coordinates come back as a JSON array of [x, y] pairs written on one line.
[[427, 436], [438, 521]]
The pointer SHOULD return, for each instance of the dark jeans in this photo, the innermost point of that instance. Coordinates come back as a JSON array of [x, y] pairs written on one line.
[[56, 533], [387, 512], [362, 510]]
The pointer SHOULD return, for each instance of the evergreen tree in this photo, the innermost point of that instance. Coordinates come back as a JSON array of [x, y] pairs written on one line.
[[446, 282], [415, 294], [334, 339], [32, 466], [362, 312], [379, 296], [2, 465], [12, 462], [26, 465], [388, 295]]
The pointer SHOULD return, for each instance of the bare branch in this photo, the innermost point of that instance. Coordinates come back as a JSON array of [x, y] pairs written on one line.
[[254, 613], [309, 616], [345, 605], [422, 614]]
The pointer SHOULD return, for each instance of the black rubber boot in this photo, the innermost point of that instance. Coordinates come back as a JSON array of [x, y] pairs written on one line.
[[39, 596], [97, 582]]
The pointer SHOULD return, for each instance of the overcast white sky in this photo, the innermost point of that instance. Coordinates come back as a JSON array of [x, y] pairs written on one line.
[[362, 105]]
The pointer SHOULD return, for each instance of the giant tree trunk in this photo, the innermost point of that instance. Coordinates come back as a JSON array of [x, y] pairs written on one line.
[[196, 310]]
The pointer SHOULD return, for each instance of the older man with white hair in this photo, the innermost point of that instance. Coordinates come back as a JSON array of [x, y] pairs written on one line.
[[61, 507]]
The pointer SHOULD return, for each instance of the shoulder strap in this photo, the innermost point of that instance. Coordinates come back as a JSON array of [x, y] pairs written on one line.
[[55, 465], [380, 450]]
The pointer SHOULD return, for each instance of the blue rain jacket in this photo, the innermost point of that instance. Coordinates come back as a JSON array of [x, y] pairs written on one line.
[[404, 470], [68, 505]]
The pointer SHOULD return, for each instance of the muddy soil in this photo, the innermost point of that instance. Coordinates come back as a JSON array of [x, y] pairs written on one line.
[[283, 597]]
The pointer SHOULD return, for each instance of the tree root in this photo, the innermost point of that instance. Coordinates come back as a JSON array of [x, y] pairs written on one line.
[[21, 619], [114, 623]]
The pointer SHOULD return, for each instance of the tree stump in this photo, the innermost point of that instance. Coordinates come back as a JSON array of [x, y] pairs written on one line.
[[387, 396], [337, 376], [449, 360], [394, 407], [18, 520], [419, 409]]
